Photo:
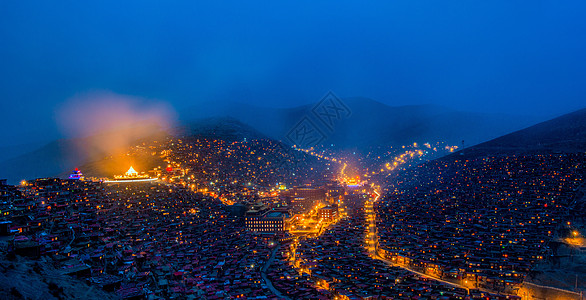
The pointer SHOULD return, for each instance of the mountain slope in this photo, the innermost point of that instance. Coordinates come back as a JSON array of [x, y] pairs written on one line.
[[372, 123], [63, 155], [225, 128], [565, 133], [59, 157]]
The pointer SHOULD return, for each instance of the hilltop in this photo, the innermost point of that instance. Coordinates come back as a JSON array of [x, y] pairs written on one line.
[[59, 157], [566, 133], [371, 123]]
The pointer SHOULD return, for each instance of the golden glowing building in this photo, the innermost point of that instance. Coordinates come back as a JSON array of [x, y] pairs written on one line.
[[328, 213], [131, 176], [260, 219]]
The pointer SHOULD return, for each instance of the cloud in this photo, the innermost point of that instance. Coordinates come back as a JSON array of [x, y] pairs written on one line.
[[107, 122]]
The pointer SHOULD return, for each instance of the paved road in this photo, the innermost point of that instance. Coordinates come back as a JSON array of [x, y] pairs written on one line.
[[423, 275], [372, 233], [263, 273], [373, 239]]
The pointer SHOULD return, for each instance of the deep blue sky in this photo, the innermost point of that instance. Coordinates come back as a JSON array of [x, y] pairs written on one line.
[[523, 57]]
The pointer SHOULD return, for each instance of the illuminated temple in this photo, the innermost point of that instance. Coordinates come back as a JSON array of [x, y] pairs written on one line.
[[131, 176], [76, 175]]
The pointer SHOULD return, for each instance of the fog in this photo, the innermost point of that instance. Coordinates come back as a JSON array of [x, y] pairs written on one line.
[[113, 122], [521, 58]]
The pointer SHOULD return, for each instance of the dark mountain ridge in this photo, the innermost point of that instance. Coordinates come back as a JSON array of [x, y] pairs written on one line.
[[371, 123], [566, 133], [64, 155], [59, 157]]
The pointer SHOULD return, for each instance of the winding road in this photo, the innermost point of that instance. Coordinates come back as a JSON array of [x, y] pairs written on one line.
[[263, 273], [372, 244]]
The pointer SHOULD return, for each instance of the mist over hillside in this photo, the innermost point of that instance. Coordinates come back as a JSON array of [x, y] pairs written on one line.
[[225, 128], [63, 155], [372, 123], [566, 133], [368, 123], [59, 157]]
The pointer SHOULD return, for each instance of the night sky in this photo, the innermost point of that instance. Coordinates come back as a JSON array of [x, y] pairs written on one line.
[[520, 57]]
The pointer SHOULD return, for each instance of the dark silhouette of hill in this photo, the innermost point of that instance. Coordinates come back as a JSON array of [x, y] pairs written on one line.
[[224, 128], [11, 151], [63, 155], [566, 133], [59, 157], [372, 123]]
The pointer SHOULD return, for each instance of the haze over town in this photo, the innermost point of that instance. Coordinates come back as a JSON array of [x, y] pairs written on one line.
[[307, 150]]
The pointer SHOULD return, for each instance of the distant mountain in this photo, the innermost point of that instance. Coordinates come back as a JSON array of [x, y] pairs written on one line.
[[368, 123], [64, 155], [566, 133], [224, 128], [11, 151], [59, 157], [372, 123], [221, 128]]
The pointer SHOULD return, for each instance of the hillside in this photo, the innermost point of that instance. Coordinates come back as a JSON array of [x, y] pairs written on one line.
[[369, 123], [64, 155], [372, 123], [566, 133], [24, 278], [224, 128], [103, 154]]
